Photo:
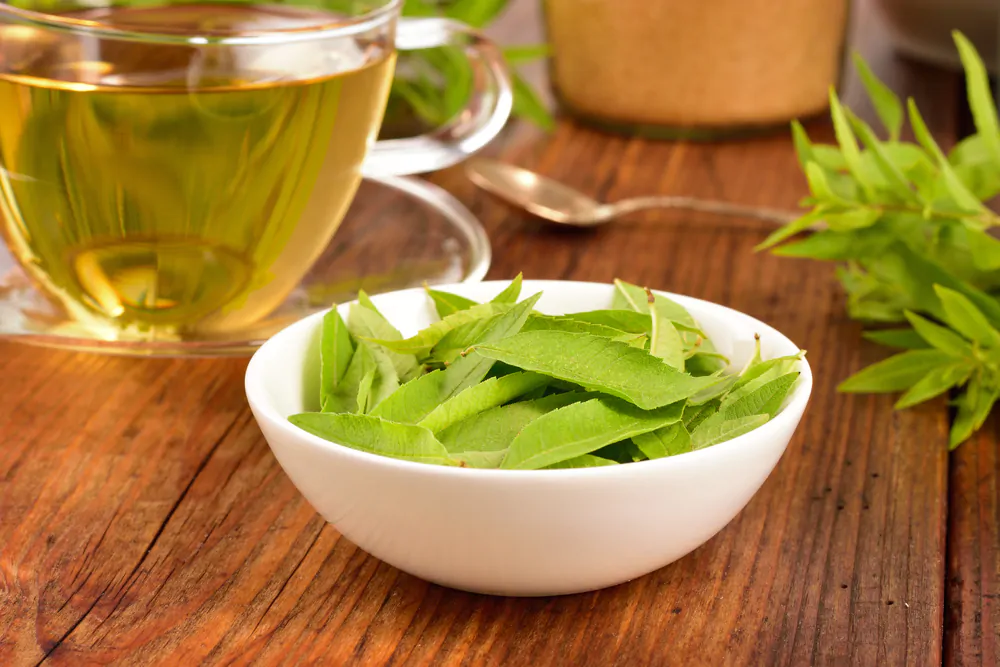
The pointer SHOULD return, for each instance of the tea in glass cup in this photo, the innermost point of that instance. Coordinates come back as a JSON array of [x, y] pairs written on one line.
[[175, 169]]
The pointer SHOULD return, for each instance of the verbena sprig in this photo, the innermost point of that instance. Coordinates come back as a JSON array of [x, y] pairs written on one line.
[[435, 83], [907, 223]]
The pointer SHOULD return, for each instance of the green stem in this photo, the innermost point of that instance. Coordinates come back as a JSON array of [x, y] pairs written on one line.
[[987, 218]]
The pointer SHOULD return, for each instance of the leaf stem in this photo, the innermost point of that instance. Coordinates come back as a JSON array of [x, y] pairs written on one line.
[[987, 218]]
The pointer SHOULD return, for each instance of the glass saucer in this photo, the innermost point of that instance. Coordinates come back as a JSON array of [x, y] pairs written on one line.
[[400, 232]]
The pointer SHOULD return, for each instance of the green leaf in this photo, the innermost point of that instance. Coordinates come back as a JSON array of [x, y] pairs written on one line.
[[529, 106], [712, 432], [416, 399], [447, 303], [848, 145], [920, 131], [367, 324], [518, 54], [365, 390], [423, 101], [584, 461], [701, 365], [896, 373], [984, 111], [495, 429], [973, 408], [559, 323], [667, 441], [870, 299], [911, 264], [887, 105], [635, 454], [353, 392], [908, 158], [963, 198], [982, 180], [476, 13], [896, 181], [963, 316], [623, 320], [985, 250], [582, 428], [789, 230], [803, 146], [821, 245], [858, 218], [695, 415], [771, 368], [464, 336], [664, 342], [455, 74], [938, 336], [375, 436], [762, 395], [757, 358], [473, 367], [366, 301], [959, 192], [971, 150], [623, 451], [904, 339], [385, 379], [830, 158], [421, 8], [638, 341], [975, 166], [510, 294], [336, 351], [935, 383], [480, 397], [474, 459], [427, 338], [715, 391], [633, 297], [598, 364], [820, 186], [827, 157]]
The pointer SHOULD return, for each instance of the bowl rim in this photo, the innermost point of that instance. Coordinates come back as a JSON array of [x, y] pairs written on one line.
[[263, 409]]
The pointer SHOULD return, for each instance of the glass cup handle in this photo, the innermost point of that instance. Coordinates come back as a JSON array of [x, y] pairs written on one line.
[[473, 127]]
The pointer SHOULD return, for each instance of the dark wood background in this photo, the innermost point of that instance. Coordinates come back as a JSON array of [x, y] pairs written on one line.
[[143, 519]]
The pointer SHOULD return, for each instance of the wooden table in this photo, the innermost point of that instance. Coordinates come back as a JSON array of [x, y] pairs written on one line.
[[144, 520]]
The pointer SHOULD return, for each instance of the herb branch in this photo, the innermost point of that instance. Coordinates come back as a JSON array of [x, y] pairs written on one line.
[[907, 224], [434, 84]]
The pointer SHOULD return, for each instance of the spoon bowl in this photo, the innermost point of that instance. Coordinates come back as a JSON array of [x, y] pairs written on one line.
[[539, 195]]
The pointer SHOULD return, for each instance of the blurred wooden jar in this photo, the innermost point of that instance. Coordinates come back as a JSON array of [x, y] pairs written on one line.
[[698, 69]]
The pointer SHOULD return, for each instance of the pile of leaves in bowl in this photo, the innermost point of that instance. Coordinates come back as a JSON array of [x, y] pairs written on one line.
[[500, 385]]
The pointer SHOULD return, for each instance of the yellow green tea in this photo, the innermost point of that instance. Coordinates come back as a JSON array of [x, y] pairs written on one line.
[[178, 188]]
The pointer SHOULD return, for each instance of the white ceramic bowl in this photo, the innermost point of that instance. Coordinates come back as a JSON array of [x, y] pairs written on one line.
[[542, 532]]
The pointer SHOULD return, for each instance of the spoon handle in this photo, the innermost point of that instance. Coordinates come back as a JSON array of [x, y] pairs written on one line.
[[702, 205]]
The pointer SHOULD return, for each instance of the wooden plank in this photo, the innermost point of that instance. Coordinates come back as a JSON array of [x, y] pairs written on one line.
[[972, 618], [97, 453]]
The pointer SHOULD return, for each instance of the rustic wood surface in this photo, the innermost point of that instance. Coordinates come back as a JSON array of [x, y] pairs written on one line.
[[143, 519]]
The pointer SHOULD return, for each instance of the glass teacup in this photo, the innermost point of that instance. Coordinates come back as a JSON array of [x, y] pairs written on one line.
[[175, 169]]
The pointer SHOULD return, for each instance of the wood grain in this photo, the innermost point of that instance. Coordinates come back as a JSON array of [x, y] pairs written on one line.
[[972, 621], [162, 529], [143, 519]]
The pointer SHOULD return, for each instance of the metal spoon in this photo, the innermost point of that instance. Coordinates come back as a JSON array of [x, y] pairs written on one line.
[[561, 204]]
